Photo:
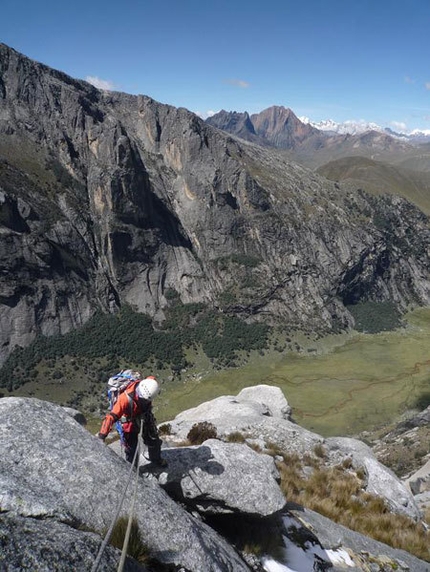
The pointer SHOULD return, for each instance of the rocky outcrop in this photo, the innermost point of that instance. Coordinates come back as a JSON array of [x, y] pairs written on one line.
[[55, 471], [266, 426], [60, 487], [214, 478], [419, 484], [348, 550], [250, 417], [109, 198], [239, 124], [403, 446]]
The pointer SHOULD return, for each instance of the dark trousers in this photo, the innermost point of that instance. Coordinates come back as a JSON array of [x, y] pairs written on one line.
[[153, 442]]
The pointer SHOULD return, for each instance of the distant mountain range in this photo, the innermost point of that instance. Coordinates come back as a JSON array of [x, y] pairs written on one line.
[[359, 127], [315, 144]]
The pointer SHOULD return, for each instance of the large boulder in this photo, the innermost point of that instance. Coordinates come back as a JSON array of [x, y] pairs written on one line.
[[269, 396], [215, 477], [53, 468], [419, 482], [260, 413]]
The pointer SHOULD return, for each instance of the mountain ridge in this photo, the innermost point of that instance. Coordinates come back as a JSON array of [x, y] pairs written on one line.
[[305, 142], [109, 198]]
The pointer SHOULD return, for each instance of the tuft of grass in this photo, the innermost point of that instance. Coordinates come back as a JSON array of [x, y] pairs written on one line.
[[235, 437], [320, 451], [338, 493], [136, 547], [347, 463]]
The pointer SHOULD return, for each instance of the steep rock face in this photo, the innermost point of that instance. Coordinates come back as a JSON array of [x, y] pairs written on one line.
[[109, 198], [282, 128], [236, 123]]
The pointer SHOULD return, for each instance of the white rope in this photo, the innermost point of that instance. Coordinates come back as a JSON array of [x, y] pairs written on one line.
[[133, 502], [115, 518]]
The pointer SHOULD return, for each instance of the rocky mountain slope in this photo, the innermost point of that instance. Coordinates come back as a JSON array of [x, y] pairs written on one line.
[[108, 198], [218, 505]]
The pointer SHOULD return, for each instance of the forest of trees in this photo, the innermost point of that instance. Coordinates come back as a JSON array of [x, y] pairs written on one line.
[[131, 336]]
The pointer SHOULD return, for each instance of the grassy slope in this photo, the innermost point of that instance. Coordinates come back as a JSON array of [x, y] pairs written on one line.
[[378, 178]]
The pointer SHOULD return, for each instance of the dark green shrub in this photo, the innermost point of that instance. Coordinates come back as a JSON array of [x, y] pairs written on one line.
[[423, 401], [373, 317], [200, 432], [165, 429]]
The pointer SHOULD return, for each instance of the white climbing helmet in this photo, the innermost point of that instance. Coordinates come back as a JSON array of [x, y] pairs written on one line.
[[148, 388]]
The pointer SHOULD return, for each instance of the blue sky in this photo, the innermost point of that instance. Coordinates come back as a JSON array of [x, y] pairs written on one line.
[[325, 59]]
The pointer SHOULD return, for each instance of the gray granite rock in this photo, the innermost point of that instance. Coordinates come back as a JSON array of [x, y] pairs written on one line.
[[51, 546], [258, 413], [419, 482], [269, 396], [76, 415], [381, 480], [223, 478], [53, 468]]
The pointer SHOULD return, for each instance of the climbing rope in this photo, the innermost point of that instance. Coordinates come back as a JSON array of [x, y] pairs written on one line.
[[119, 506], [133, 503]]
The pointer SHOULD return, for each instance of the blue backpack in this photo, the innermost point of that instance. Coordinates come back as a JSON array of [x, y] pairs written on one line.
[[116, 385]]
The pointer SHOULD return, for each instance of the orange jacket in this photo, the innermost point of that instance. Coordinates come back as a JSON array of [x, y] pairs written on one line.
[[127, 406]]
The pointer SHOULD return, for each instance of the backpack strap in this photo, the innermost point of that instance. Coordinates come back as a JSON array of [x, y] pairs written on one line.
[[131, 392]]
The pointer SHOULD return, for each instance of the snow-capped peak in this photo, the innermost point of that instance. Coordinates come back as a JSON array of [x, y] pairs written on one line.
[[353, 127]]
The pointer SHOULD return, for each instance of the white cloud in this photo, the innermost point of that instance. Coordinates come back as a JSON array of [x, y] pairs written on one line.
[[238, 83], [100, 83], [399, 126], [409, 79], [427, 85]]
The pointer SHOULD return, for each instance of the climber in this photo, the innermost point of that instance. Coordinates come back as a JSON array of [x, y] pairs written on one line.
[[133, 407]]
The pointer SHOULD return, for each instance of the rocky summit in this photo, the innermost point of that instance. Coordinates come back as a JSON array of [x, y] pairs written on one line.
[[108, 198], [218, 506]]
